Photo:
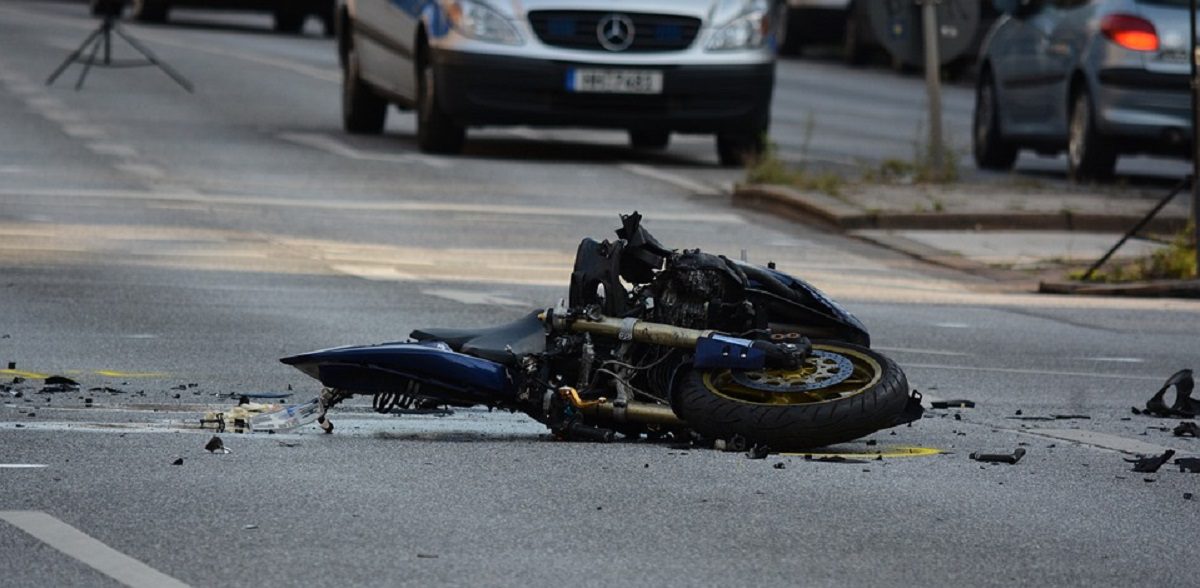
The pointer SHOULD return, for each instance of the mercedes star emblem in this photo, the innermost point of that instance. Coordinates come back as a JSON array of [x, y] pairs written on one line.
[[615, 32]]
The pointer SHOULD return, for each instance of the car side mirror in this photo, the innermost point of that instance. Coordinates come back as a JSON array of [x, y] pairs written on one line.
[[1017, 8]]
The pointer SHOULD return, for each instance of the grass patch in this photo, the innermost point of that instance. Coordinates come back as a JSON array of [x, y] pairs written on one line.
[[769, 169], [1174, 261]]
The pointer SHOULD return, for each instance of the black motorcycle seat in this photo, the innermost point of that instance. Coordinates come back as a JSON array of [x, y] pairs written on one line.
[[502, 344]]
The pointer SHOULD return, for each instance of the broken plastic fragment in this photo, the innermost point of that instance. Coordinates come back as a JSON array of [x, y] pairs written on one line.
[[1000, 457], [1188, 428], [1149, 465], [215, 445], [1189, 464], [758, 452], [952, 404], [1184, 406]]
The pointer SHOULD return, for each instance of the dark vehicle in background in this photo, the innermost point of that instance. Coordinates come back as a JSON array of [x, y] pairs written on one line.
[[1096, 78], [289, 14]]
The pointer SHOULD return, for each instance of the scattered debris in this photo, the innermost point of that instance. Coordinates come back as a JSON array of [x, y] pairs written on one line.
[[871, 442], [1189, 465], [758, 452], [178, 461], [215, 445], [1000, 457], [1030, 418], [952, 404], [1071, 417], [1149, 465], [1188, 428], [780, 465], [1187, 495], [427, 555], [1184, 407], [107, 390], [833, 459], [250, 526], [59, 384], [288, 443]]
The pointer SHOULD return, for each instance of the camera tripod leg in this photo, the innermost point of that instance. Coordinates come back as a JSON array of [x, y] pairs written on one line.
[[149, 55], [87, 65], [72, 58]]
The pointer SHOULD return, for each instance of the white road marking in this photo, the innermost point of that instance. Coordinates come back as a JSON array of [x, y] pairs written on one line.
[[84, 131], [45, 103], [1114, 359], [382, 273], [142, 169], [968, 368], [113, 149], [673, 179], [952, 325], [1103, 441], [923, 351], [12, 169], [388, 206], [90, 551], [333, 146], [470, 297], [21, 466], [63, 116]]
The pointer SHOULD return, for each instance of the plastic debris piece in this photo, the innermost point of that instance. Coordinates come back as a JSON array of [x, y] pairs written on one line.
[[250, 526], [215, 445], [60, 380], [1187, 495], [952, 404], [1184, 407], [178, 461], [833, 459], [1071, 417], [427, 555], [1189, 465], [1188, 428], [1012, 458], [758, 452], [780, 466], [1149, 465]]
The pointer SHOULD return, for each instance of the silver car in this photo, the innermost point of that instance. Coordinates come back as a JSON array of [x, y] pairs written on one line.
[[651, 67], [1098, 78]]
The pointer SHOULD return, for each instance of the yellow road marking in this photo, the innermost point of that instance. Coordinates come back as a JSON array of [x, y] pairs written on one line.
[[105, 373], [872, 454]]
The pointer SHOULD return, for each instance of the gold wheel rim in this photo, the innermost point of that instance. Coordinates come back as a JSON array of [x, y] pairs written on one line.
[[866, 373]]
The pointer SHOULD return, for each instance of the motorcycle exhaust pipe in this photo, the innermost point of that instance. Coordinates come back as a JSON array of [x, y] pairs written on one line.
[[634, 412]]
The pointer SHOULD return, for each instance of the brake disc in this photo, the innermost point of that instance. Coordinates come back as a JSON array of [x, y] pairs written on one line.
[[821, 369]]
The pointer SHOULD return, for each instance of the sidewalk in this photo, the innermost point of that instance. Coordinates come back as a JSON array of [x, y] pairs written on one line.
[[1004, 231]]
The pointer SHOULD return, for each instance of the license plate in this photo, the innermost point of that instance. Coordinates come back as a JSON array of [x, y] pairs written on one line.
[[615, 81]]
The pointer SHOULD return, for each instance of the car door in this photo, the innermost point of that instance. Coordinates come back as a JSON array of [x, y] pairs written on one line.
[[1022, 69], [1068, 32], [385, 31]]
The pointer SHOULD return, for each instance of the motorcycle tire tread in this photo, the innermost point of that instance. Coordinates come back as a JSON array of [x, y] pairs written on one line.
[[797, 426]]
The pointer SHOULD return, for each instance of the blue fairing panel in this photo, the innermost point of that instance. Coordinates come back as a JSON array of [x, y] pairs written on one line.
[[391, 366]]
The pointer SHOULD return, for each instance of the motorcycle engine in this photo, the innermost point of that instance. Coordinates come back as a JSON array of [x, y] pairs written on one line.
[[698, 290]]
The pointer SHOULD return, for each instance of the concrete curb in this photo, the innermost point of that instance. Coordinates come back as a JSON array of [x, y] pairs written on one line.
[[1172, 289], [808, 206]]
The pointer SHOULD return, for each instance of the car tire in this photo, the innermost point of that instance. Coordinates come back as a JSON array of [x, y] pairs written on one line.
[[988, 145], [436, 131], [740, 149], [1090, 155], [650, 140], [854, 51], [289, 21], [363, 111], [149, 10]]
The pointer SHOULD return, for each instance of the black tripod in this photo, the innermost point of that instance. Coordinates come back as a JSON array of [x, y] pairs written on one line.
[[101, 38]]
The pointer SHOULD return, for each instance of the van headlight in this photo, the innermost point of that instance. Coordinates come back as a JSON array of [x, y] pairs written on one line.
[[747, 30], [479, 21]]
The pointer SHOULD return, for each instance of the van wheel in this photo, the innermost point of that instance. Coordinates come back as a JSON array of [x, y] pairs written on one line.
[[289, 20], [1090, 155], [363, 111], [990, 149], [436, 131], [740, 149], [650, 140], [149, 10]]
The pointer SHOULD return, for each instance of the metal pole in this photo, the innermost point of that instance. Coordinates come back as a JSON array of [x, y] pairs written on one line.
[[1195, 137], [933, 81]]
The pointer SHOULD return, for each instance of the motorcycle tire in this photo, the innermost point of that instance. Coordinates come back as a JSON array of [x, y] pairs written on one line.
[[789, 410]]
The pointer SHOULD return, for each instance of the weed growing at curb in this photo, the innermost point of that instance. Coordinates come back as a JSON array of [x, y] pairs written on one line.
[[1174, 261]]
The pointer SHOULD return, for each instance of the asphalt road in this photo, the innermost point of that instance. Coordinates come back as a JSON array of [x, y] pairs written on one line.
[[170, 247]]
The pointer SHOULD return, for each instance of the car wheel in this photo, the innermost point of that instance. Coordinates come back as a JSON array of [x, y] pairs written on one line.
[[740, 149], [990, 149], [1090, 155], [436, 131], [289, 21], [149, 10], [363, 111], [649, 139]]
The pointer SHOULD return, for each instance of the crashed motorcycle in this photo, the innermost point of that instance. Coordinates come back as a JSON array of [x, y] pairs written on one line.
[[651, 342]]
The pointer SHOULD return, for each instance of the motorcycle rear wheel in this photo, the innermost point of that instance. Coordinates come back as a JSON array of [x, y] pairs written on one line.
[[842, 392]]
